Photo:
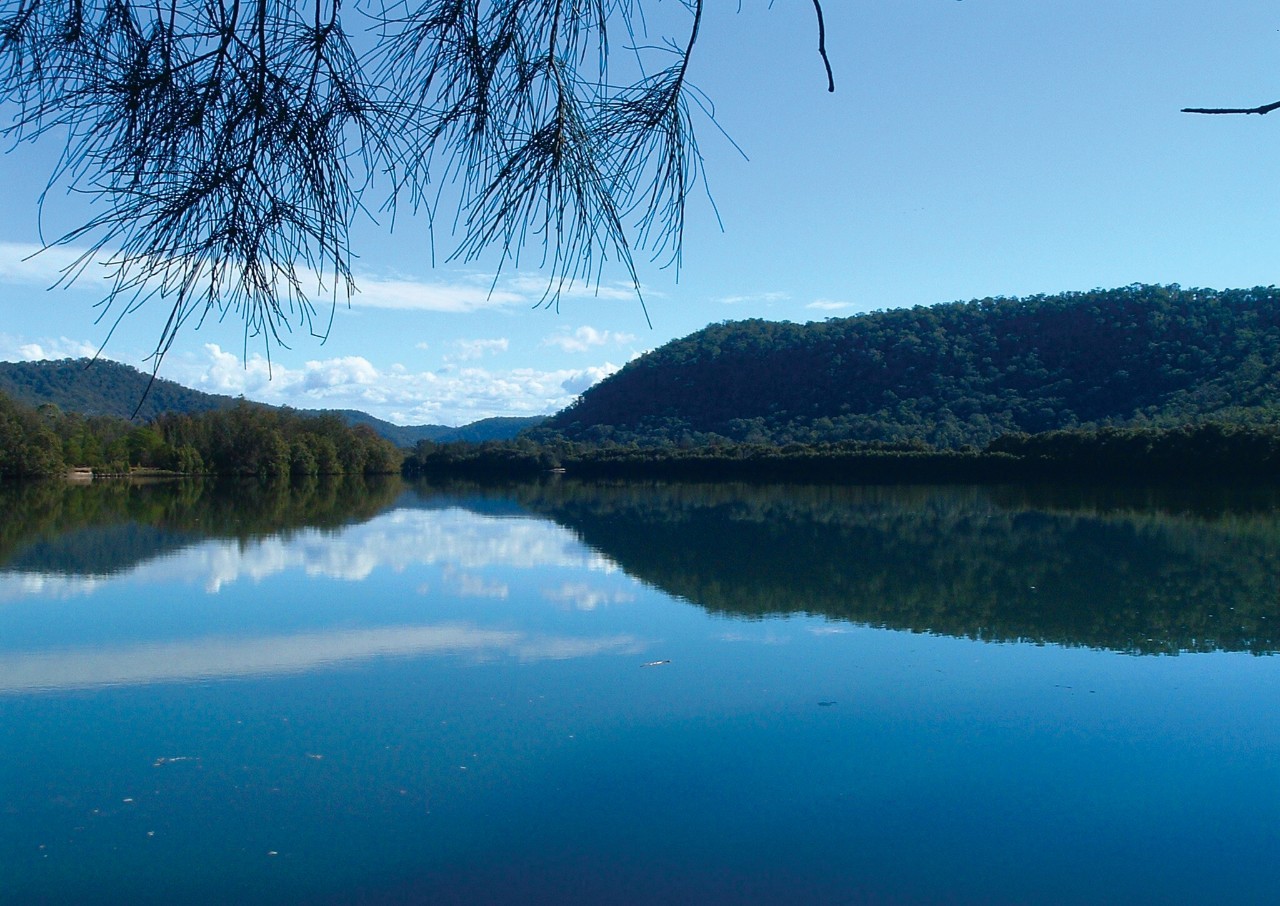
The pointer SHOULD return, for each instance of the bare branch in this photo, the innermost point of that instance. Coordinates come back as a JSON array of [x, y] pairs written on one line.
[[822, 45], [1263, 110], [228, 145]]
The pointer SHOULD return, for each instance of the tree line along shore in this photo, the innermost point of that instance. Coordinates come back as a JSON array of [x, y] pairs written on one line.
[[246, 439], [252, 440]]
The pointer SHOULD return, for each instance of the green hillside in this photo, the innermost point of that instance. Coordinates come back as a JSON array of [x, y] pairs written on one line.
[[953, 374], [497, 428], [103, 387]]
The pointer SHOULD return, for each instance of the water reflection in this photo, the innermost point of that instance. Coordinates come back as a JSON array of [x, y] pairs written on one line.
[[65, 540], [282, 607], [221, 658], [438, 695], [107, 527], [1139, 572]]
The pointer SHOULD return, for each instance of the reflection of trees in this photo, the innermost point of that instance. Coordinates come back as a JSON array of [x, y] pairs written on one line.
[[108, 526], [1136, 571], [1141, 572]]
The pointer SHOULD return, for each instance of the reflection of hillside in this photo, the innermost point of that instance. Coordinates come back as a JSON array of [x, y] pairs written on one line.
[[97, 550], [108, 527], [1137, 574]]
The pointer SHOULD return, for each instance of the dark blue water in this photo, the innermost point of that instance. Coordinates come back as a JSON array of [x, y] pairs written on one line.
[[461, 700]]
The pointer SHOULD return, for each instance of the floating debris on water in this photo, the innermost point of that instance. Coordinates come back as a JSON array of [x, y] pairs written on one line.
[[173, 759], [825, 704]]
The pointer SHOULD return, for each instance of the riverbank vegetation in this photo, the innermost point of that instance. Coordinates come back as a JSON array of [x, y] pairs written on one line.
[[1210, 452], [245, 439], [249, 440]]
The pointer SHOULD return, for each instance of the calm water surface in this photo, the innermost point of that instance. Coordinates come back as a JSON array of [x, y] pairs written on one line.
[[569, 693]]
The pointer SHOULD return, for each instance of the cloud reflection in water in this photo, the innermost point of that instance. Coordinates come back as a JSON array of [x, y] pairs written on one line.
[[225, 657], [462, 541]]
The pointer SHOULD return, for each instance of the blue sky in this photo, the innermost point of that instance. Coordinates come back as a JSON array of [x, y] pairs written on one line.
[[972, 148]]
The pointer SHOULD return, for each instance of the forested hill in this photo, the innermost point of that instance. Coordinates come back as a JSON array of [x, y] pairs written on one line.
[[954, 374], [104, 387]]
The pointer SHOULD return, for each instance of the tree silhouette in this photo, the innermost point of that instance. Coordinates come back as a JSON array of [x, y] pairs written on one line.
[[230, 146]]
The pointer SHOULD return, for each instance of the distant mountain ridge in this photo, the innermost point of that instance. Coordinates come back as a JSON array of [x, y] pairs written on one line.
[[104, 387], [953, 374], [498, 427]]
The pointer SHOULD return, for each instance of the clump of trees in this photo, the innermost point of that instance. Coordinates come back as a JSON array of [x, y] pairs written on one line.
[[28, 445], [246, 439], [254, 440]]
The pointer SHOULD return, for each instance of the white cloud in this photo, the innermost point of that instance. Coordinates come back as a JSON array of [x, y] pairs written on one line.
[[578, 381], [476, 292], [478, 349], [20, 349], [535, 288], [454, 395], [753, 298], [829, 305], [413, 295], [226, 373], [586, 337], [340, 372], [30, 263]]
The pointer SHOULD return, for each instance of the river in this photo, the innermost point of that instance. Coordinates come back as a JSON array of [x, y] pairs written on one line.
[[566, 692]]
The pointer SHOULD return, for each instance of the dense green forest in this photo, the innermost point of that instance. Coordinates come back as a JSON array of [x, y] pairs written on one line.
[[245, 439], [952, 375]]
